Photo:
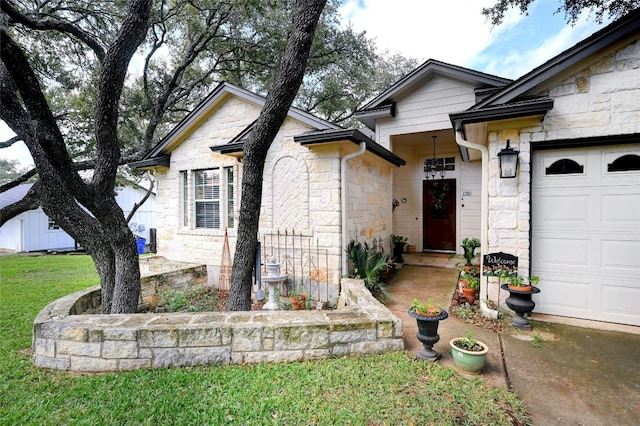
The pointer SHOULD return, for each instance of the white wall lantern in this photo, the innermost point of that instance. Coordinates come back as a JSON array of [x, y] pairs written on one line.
[[508, 161]]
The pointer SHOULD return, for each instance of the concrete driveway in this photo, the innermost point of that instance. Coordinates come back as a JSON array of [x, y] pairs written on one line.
[[566, 374]]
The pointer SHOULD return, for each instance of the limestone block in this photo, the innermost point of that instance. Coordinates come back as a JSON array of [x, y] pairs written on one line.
[[83, 349], [573, 121], [95, 365], [385, 329], [44, 347], [50, 362], [625, 101], [349, 336], [502, 219], [179, 357], [377, 346], [317, 353], [118, 349], [273, 356], [200, 337], [133, 364], [341, 349], [620, 81], [246, 339], [301, 337], [158, 338], [576, 104]]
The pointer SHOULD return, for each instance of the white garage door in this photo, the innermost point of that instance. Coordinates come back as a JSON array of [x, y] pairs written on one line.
[[586, 232]]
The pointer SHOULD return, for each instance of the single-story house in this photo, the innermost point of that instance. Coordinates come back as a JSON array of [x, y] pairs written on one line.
[[426, 166], [35, 231]]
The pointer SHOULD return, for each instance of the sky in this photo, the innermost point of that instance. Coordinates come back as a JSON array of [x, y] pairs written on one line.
[[453, 31]]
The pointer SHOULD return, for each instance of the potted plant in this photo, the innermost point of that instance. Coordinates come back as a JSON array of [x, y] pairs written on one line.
[[470, 286], [298, 301], [398, 242], [428, 317], [519, 300], [469, 354], [469, 245]]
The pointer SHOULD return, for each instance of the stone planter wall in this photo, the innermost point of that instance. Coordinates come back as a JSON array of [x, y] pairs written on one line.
[[94, 343]]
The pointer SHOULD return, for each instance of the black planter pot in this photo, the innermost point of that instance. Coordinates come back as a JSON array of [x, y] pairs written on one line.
[[398, 249], [428, 334], [520, 302]]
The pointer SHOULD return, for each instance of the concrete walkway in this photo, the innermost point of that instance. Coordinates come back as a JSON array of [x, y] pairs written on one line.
[[578, 375]]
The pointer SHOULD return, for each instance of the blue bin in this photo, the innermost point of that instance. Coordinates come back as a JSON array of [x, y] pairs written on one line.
[[140, 242]]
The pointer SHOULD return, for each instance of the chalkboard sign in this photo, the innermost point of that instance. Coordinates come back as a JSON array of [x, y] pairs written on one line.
[[495, 264]]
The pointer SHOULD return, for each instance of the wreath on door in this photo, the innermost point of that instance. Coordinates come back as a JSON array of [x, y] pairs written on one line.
[[438, 191]]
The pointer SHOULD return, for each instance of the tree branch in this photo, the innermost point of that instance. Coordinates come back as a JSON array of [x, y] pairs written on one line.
[[137, 205], [8, 143], [53, 23]]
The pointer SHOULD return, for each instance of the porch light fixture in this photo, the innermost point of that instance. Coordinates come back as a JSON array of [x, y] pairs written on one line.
[[508, 161], [435, 166]]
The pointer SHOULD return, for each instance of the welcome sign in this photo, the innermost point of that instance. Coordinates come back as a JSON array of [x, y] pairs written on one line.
[[495, 264]]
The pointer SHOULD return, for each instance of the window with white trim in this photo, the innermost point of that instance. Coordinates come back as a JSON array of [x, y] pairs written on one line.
[[208, 198]]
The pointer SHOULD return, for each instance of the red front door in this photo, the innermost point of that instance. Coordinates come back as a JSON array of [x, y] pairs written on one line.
[[439, 214]]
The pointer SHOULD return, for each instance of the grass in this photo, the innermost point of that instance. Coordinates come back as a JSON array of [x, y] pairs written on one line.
[[390, 389]]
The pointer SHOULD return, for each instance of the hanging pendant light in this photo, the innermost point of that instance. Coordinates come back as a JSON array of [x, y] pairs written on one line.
[[434, 166]]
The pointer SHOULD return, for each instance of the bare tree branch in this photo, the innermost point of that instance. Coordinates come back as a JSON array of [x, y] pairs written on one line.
[[137, 205], [8, 143]]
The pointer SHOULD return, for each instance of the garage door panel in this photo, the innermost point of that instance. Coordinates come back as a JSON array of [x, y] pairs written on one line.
[[621, 304], [563, 295], [560, 251], [564, 209], [621, 208], [623, 255]]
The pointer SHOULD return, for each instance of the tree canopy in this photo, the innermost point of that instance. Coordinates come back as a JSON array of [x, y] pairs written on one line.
[[572, 9]]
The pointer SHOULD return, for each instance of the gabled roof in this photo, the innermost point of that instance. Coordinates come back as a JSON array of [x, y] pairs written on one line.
[[383, 104], [353, 135], [617, 30], [219, 94]]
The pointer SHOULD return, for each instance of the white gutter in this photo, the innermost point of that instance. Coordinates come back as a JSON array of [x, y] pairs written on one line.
[[343, 197], [484, 218]]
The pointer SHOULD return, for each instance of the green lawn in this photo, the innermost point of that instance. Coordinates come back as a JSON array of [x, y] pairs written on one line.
[[390, 389]]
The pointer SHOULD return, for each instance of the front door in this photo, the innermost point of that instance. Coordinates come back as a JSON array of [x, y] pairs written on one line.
[[439, 214]]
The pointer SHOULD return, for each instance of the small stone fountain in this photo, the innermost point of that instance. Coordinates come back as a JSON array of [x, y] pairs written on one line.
[[273, 278]]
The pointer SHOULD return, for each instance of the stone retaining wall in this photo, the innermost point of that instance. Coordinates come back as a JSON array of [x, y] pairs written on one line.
[[95, 343]]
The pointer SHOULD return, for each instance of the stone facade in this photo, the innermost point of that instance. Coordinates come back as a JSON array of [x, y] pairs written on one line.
[[301, 192], [96, 343]]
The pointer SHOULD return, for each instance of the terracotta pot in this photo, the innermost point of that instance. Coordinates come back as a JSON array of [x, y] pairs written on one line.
[[519, 288], [470, 294], [299, 302], [411, 249]]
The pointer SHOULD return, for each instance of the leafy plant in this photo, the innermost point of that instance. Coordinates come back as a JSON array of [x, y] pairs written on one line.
[[368, 265], [425, 308], [518, 281], [469, 343], [398, 239], [190, 299], [469, 245], [471, 281]]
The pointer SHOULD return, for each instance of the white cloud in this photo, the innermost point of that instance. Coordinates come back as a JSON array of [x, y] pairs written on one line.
[[451, 31]]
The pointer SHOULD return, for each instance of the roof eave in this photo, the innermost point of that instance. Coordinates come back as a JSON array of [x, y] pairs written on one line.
[[501, 112], [352, 135], [368, 117], [152, 163]]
